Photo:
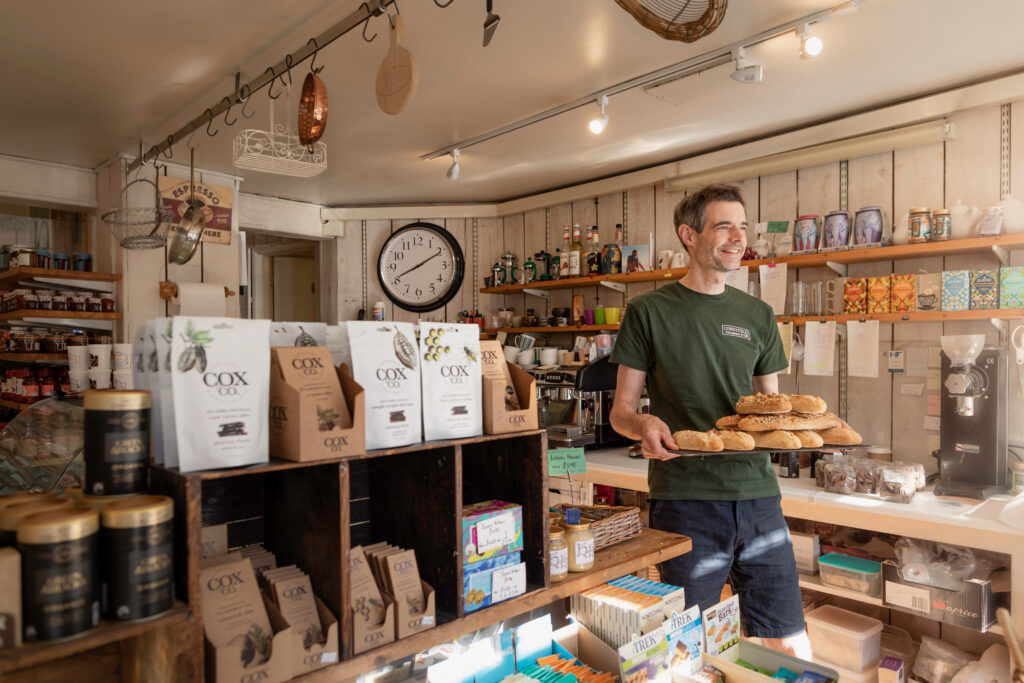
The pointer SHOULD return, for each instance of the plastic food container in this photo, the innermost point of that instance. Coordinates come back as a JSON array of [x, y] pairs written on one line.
[[844, 639], [897, 642], [851, 573], [869, 675]]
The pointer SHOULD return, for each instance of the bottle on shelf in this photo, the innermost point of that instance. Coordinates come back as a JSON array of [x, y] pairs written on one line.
[[563, 269], [576, 255], [556, 264], [593, 252], [611, 255]]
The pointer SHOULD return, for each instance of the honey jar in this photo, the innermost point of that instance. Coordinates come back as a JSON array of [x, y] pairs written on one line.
[[580, 541], [558, 552]]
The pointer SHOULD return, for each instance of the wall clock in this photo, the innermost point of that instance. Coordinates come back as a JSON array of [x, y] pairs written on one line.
[[420, 267]]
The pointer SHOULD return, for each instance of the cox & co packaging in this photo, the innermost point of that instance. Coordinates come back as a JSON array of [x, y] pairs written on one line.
[[956, 290], [450, 380], [510, 405], [373, 615], [413, 597], [903, 294], [929, 292], [310, 416], [879, 294], [1011, 287], [855, 295], [984, 289]]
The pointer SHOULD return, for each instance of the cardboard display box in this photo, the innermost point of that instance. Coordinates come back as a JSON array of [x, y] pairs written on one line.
[[761, 656], [368, 637], [497, 418], [973, 606], [407, 624], [10, 598], [222, 664], [489, 529], [318, 655], [479, 580], [312, 415]]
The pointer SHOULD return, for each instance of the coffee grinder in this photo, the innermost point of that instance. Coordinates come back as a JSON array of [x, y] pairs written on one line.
[[972, 454]]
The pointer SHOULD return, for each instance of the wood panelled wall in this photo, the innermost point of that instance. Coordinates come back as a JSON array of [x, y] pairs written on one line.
[[935, 175]]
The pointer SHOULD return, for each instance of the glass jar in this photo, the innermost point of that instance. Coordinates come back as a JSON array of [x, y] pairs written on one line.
[[580, 539], [920, 224], [81, 262], [558, 552], [60, 302], [93, 304], [942, 225], [42, 259], [30, 302], [60, 261], [77, 304], [107, 302], [78, 340], [22, 256], [56, 342], [1017, 477], [45, 302], [5, 257]]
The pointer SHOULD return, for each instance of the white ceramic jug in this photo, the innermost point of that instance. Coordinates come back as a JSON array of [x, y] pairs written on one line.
[[1013, 215]]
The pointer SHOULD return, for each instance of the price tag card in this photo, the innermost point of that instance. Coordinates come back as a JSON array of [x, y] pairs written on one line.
[[895, 359], [778, 227], [508, 582], [562, 461], [495, 532]]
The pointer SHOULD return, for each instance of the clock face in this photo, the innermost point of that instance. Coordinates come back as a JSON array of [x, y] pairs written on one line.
[[420, 267]]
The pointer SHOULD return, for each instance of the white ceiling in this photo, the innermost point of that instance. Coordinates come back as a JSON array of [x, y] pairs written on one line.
[[84, 80]]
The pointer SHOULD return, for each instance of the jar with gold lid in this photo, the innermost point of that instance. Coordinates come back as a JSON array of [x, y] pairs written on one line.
[[580, 541], [24, 497], [116, 442], [11, 514], [920, 224], [558, 552], [138, 560], [60, 572], [942, 225]]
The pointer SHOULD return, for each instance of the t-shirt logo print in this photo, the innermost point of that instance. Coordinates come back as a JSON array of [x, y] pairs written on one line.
[[733, 331]]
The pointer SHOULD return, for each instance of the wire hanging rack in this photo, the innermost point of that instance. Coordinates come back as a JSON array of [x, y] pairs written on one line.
[[139, 227]]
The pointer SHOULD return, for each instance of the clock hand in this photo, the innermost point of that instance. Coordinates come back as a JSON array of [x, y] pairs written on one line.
[[421, 263]]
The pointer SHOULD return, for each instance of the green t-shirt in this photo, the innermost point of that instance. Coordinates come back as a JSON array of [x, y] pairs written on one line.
[[700, 352]]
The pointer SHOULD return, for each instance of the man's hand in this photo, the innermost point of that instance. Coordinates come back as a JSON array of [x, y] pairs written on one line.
[[657, 439]]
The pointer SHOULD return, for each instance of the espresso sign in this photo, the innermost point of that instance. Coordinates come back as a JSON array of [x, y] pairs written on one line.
[[215, 202]]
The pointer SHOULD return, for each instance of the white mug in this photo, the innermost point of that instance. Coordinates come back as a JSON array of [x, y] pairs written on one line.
[[680, 259], [99, 379], [665, 259], [99, 357], [549, 356], [797, 352], [525, 341], [123, 381], [121, 358], [511, 353], [78, 358], [527, 357], [78, 379]]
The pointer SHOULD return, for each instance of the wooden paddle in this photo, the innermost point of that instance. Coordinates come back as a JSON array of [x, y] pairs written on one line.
[[397, 77]]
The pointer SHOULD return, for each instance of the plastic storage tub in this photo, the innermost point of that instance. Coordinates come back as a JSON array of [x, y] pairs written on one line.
[[852, 573], [846, 639], [869, 675]]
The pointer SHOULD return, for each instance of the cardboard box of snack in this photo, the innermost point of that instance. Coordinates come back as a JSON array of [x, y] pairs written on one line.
[[489, 529], [317, 655], [903, 293], [368, 636], [855, 295], [224, 665], [10, 598], [499, 417], [489, 582], [311, 418], [1011, 287], [879, 294], [929, 291], [407, 620]]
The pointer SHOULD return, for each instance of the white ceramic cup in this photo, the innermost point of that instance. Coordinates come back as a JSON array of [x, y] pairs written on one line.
[[99, 378], [511, 353], [527, 357], [123, 380], [525, 341], [549, 356], [99, 357], [121, 357], [78, 380], [665, 259], [680, 259], [78, 358]]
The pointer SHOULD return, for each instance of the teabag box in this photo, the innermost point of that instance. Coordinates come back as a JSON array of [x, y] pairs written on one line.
[[452, 405], [385, 361], [221, 382], [298, 334]]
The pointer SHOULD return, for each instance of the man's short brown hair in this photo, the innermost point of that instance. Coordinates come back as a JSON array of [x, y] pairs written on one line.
[[692, 210]]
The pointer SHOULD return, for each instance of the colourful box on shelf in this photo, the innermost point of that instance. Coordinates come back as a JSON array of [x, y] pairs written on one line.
[[879, 294], [903, 293], [478, 580], [929, 292], [855, 295], [956, 290], [984, 289], [973, 606], [491, 529], [1011, 287]]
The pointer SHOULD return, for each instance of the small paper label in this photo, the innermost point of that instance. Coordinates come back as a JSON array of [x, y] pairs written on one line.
[[563, 461], [559, 561], [895, 359], [329, 657], [934, 404], [428, 621], [934, 380], [932, 423], [585, 551], [935, 356], [495, 532], [912, 389], [917, 599], [508, 582]]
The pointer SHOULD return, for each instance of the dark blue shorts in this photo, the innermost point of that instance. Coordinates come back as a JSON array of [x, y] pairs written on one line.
[[746, 542]]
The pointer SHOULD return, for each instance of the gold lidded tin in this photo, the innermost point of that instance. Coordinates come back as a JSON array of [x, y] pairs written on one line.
[[24, 497], [60, 572], [138, 557], [942, 225], [116, 442], [13, 513], [920, 224]]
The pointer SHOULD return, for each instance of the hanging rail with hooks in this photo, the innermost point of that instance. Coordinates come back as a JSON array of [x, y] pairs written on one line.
[[362, 15]]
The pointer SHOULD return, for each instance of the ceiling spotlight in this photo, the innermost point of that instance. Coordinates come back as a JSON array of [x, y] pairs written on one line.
[[746, 71], [810, 46], [597, 125], [453, 170]]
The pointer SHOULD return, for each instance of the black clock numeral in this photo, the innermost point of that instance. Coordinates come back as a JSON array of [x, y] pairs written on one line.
[[440, 279], [392, 266], [396, 281], [432, 288], [406, 245], [418, 240], [419, 292], [444, 265], [399, 255], [407, 289]]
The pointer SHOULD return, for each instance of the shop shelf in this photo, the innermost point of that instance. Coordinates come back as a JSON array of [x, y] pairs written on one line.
[[813, 583], [13, 405], [10, 278], [34, 357], [32, 654], [69, 315]]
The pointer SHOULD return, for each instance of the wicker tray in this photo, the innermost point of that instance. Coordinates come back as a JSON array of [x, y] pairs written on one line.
[[610, 524]]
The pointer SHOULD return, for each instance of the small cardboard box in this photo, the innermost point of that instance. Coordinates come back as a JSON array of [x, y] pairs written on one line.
[[318, 655], [879, 294], [489, 529], [855, 295], [1011, 287], [903, 294], [956, 290], [311, 417], [929, 291], [478, 580], [891, 670], [806, 550], [498, 419], [223, 665], [366, 637], [10, 598], [984, 289], [973, 606], [406, 623]]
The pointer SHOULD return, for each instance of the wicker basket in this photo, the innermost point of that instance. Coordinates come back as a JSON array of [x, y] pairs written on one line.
[[610, 524], [677, 19]]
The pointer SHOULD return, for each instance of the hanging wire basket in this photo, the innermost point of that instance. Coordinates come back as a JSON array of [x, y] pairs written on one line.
[[279, 150], [139, 227]]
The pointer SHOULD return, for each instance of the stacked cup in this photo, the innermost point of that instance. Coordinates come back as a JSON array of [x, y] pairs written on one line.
[[121, 362], [99, 366], [78, 367]]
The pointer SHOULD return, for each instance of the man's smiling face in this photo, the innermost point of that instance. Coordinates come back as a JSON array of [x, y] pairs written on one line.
[[720, 245]]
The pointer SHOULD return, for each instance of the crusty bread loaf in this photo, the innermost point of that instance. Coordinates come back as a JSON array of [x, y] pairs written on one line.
[[781, 439], [840, 436], [736, 441], [763, 404], [809, 438], [807, 403], [688, 440], [728, 422], [790, 421]]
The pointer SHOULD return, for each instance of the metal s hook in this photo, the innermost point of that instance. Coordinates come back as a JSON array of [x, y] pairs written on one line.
[[228, 111], [169, 152], [376, 12], [244, 99], [312, 64], [270, 88], [288, 63], [209, 120], [154, 154], [397, 11]]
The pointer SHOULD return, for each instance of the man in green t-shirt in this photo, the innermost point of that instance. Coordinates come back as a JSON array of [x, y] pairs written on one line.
[[699, 345]]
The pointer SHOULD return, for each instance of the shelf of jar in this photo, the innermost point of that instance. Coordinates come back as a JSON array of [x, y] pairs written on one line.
[[13, 405], [70, 315], [59, 358], [971, 245], [10, 278]]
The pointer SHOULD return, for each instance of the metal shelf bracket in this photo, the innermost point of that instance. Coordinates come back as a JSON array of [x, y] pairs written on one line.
[[1001, 254], [840, 268], [617, 286], [537, 292]]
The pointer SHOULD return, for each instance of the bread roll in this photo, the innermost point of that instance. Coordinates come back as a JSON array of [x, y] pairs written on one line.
[[790, 421], [840, 436], [688, 440], [763, 404], [807, 403], [809, 439], [736, 441], [728, 422], [778, 438]]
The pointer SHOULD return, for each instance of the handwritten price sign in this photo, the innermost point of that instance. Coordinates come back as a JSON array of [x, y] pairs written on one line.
[[563, 461]]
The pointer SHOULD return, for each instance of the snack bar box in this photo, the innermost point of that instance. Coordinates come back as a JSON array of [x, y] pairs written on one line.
[[473, 538], [478, 579]]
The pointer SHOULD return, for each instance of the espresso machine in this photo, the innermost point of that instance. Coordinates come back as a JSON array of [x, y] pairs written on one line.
[[972, 454], [576, 403]]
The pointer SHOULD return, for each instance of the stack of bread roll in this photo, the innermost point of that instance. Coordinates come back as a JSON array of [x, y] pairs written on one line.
[[777, 421]]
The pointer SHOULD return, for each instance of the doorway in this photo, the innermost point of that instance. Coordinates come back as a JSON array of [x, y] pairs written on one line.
[[284, 278]]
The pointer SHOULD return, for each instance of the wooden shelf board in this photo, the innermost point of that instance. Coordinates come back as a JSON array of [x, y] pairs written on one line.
[[972, 245], [13, 405], [72, 315], [34, 357], [10, 277], [618, 560], [277, 464], [813, 583], [567, 329], [31, 654]]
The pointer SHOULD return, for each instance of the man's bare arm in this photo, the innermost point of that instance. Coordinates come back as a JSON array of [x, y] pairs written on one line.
[[651, 431], [766, 384]]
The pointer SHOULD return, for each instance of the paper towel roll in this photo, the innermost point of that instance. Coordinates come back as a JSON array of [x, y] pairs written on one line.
[[201, 298]]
